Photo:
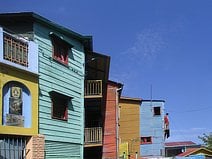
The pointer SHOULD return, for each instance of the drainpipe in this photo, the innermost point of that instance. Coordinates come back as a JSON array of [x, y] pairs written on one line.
[[117, 120]]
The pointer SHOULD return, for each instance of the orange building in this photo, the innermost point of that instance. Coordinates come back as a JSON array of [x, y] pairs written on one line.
[[110, 134], [129, 127]]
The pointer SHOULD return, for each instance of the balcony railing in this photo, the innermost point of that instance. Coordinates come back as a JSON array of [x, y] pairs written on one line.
[[15, 50], [93, 136], [93, 88], [18, 51]]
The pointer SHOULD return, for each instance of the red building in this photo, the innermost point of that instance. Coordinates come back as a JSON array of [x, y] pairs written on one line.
[[110, 134]]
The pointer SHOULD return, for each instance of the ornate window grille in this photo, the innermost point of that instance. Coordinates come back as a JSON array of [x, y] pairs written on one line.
[[15, 50]]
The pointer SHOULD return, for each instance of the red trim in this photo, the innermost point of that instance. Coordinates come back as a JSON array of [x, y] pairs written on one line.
[[60, 51]]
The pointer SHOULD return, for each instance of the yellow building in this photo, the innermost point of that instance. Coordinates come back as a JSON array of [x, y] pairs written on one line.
[[129, 131]]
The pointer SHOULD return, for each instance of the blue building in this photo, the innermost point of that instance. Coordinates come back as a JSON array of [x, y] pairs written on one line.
[[151, 128]]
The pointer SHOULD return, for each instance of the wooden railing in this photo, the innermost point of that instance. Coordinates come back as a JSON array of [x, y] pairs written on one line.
[[93, 136], [15, 50], [93, 88]]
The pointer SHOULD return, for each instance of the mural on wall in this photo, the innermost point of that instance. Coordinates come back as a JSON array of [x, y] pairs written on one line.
[[17, 107], [15, 118]]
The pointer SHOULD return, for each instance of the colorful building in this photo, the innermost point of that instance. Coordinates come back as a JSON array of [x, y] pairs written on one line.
[[129, 127], [111, 121], [173, 149], [96, 78], [152, 128], [19, 93], [195, 153], [60, 73]]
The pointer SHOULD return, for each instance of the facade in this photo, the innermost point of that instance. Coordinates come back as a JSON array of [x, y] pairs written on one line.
[[111, 119], [61, 57], [19, 95], [96, 78], [152, 128], [129, 127]]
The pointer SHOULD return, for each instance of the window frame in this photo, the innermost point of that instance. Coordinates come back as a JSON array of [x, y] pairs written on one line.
[[156, 112], [57, 97], [146, 142], [60, 49]]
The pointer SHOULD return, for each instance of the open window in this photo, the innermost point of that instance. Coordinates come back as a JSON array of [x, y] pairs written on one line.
[[61, 48], [60, 104], [156, 111], [146, 140]]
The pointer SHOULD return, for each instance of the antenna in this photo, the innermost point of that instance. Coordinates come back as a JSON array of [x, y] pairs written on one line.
[[151, 94]]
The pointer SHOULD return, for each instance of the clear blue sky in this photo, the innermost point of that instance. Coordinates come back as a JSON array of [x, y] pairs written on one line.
[[166, 44]]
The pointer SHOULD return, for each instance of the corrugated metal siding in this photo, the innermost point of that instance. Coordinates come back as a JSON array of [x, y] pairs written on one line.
[[62, 150], [151, 125], [110, 142], [129, 130], [64, 79]]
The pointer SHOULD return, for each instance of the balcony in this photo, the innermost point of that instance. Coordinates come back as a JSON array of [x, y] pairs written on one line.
[[93, 89], [18, 52], [15, 50], [93, 136]]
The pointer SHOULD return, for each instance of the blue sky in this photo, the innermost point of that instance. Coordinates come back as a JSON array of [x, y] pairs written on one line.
[[166, 44]]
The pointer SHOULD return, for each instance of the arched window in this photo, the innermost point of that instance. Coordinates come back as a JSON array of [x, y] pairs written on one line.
[[17, 108]]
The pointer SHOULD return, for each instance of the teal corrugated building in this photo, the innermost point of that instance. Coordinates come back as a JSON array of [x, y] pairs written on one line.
[[61, 58]]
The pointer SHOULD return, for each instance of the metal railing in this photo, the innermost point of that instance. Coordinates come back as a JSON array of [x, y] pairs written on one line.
[[15, 50], [93, 88], [93, 135], [13, 147]]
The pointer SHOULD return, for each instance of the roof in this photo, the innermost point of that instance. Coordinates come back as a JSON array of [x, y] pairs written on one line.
[[195, 151], [120, 85], [153, 100], [180, 144], [130, 98], [24, 17]]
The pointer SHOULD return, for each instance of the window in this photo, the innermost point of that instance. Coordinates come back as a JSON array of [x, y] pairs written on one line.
[[60, 52], [146, 140], [60, 48], [59, 105], [156, 111]]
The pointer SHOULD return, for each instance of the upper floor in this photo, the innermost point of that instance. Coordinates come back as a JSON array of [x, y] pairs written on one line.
[[17, 51]]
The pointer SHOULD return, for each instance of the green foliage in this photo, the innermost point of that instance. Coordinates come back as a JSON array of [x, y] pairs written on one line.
[[207, 140]]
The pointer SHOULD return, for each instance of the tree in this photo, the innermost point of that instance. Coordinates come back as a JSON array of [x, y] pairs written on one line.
[[207, 140]]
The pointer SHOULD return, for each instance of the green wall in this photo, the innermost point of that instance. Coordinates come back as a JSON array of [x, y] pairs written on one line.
[[62, 138]]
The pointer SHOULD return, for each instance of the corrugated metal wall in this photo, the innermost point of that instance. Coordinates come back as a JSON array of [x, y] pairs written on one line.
[[68, 135], [110, 130], [152, 126], [62, 150]]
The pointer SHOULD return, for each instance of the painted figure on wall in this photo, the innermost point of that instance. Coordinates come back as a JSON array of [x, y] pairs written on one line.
[[166, 126], [15, 118], [15, 103]]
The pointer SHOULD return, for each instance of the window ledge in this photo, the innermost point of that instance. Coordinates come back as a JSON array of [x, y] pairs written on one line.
[[60, 119], [60, 62]]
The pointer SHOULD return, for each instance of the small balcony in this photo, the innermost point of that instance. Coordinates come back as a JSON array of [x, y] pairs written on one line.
[[93, 89], [93, 136], [15, 50], [18, 52]]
